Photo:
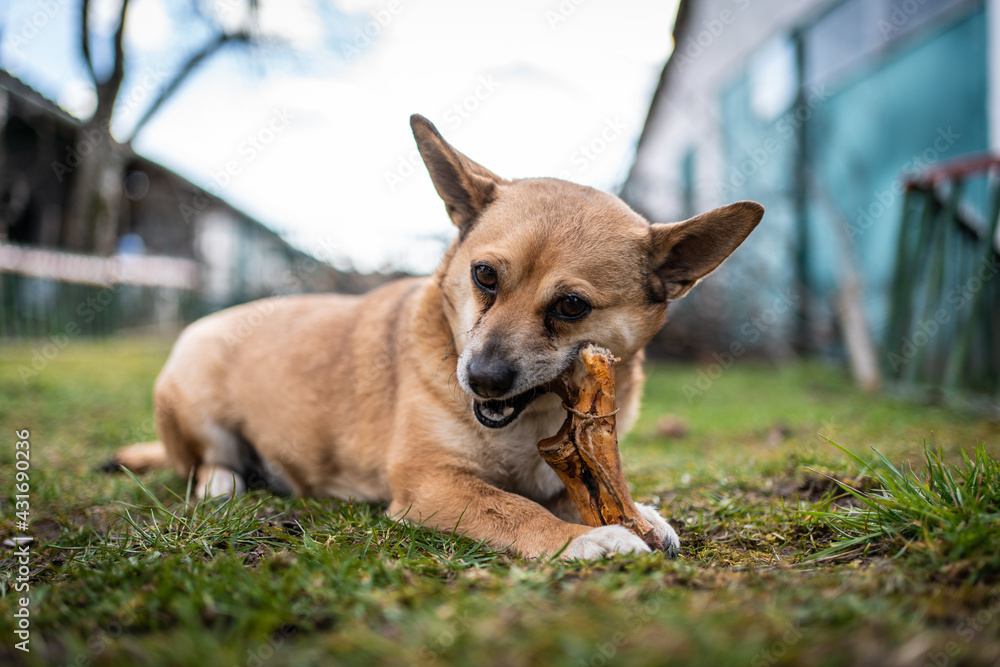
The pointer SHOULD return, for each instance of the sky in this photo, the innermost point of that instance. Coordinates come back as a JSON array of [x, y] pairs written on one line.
[[312, 137]]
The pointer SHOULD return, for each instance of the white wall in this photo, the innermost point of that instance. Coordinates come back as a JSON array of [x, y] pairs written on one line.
[[993, 73], [720, 36]]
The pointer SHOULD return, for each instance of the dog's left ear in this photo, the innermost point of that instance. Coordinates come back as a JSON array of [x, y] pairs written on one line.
[[682, 253], [465, 187]]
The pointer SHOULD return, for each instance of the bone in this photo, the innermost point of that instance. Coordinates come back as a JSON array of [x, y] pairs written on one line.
[[584, 453]]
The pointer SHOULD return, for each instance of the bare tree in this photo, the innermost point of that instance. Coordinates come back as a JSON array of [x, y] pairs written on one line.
[[92, 210]]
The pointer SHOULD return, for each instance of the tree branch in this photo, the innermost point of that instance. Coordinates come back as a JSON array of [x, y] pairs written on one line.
[[119, 70], [206, 51], [85, 41], [107, 91]]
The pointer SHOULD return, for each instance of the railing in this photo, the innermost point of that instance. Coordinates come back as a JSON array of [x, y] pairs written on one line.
[[944, 325], [48, 293]]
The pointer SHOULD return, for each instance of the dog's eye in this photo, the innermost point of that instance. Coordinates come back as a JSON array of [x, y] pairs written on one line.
[[571, 307], [485, 276]]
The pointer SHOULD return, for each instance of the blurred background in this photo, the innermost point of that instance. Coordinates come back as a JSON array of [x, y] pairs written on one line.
[[161, 159]]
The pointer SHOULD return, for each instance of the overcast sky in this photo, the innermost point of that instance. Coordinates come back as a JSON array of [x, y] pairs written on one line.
[[318, 146]]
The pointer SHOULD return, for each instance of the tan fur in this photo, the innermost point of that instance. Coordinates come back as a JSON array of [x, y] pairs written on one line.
[[367, 397], [143, 456]]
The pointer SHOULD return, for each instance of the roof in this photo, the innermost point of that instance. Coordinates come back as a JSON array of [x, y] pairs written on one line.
[[680, 24], [25, 92]]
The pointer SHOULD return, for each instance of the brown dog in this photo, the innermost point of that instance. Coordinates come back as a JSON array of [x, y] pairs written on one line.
[[428, 394]]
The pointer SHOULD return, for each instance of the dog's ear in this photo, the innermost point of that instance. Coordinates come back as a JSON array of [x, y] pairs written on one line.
[[682, 253], [465, 186]]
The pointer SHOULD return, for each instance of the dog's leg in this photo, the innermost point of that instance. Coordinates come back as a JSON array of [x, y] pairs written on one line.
[[217, 482], [460, 502], [139, 458], [217, 475], [661, 528], [563, 507], [192, 439]]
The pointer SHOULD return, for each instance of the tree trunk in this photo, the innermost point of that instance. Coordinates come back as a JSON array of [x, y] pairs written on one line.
[[97, 160], [92, 207]]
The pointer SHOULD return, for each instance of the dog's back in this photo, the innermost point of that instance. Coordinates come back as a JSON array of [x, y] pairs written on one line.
[[247, 384]]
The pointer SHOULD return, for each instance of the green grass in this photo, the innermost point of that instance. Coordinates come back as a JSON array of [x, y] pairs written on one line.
[[780, 564], [948, 514]]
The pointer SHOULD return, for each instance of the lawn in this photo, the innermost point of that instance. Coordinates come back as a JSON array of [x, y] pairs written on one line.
[[122, 572]]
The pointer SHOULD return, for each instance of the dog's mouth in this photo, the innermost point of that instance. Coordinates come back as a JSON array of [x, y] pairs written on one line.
[[500, 413]]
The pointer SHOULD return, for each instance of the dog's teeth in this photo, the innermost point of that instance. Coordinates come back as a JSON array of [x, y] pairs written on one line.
[[508, 411]]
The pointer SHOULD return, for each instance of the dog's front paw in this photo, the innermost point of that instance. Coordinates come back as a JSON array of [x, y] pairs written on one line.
[[604, 541], [663, 529]]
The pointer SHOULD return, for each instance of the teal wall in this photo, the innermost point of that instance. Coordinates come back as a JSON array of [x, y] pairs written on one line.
[[925, 103], [829, 169]]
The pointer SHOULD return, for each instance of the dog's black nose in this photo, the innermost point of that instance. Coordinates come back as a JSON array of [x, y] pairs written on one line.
[[491, 377]]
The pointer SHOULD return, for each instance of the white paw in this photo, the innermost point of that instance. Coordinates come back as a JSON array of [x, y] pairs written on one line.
[[662, 528], [218, 483], [604, 541]]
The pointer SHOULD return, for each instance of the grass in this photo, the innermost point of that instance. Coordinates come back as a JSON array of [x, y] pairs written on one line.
[[893, 563], [948, 514]]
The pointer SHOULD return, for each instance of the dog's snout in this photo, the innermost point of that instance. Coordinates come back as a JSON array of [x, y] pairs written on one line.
[[491, 377]]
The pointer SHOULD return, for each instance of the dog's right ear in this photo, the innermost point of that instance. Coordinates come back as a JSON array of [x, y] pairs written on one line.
[[465, 187]]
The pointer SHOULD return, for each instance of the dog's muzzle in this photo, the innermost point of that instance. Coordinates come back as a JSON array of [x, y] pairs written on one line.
[[500, 413]]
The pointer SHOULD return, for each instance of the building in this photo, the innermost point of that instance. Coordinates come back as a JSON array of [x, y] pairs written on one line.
[[181, 252], [821, 110]]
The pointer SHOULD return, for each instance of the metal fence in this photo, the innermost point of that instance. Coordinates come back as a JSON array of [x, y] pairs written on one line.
[[46, 293]]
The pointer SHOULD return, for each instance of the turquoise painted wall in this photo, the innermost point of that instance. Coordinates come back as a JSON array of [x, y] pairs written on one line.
[[925, 103], [844, 144]]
